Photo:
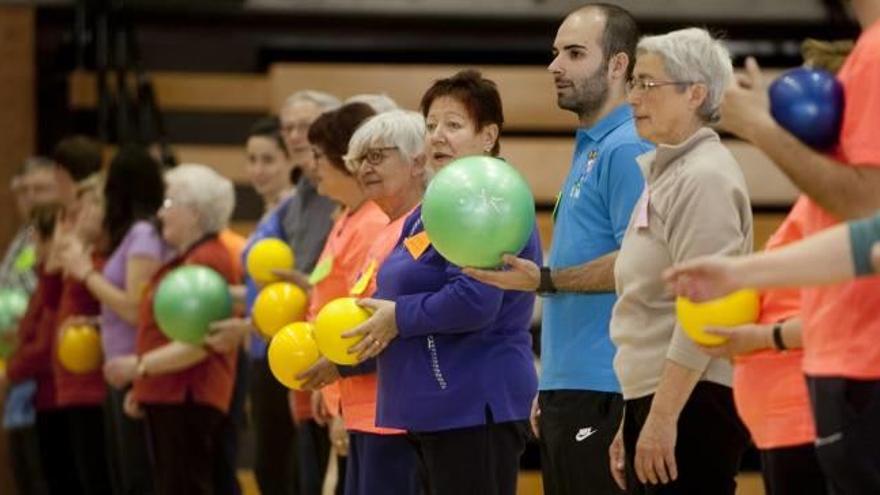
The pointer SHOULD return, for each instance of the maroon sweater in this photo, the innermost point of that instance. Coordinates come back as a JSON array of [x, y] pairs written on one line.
[[36, 331]]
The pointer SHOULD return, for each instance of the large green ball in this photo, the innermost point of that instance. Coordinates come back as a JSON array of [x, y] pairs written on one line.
[[476, 209], [13, 304], [188, 299]]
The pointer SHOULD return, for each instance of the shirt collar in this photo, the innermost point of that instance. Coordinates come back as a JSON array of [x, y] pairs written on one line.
[[654, 162], [617, 117]]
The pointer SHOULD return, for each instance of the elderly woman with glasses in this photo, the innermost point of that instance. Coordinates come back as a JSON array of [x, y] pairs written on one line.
[[454, 361], [183, 390], [680, 428], [386, 156]]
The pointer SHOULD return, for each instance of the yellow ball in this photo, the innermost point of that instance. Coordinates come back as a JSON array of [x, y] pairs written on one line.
[[335, 318], [740, 308], [277, 305], [292, 351], [79, 350], [267, 255]]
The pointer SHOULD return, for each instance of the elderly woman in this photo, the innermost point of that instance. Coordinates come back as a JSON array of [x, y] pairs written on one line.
[[184, 390], [454, 355], [380, 460], [679, 404]]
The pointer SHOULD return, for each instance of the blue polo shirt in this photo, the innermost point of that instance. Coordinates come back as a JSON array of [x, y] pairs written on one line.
[[591, 216]]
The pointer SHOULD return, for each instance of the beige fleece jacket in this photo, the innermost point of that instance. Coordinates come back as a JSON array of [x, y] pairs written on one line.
[[695, 203]]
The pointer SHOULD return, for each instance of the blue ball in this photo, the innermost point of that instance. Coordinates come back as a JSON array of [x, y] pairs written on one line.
[[809, 104]]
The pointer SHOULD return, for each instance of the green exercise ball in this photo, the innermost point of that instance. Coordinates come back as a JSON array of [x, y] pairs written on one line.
[[476, 209], [188, 299], [13, 304]]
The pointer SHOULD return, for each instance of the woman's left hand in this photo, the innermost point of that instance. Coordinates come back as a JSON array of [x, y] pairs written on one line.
[[743, 339], [377, 332], [131, 406], [655, 450], [74, 258], [121, 371]]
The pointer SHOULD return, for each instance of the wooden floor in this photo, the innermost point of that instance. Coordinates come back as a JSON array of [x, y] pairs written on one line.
[[530, 483]]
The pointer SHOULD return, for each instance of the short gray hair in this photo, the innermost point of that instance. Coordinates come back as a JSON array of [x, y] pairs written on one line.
[[324, 101], [693, 55], [206, 191], [402, 129], [379, 102]]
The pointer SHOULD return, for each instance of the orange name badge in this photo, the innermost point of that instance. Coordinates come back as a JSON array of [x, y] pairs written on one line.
[[363, 282], [417, 244]]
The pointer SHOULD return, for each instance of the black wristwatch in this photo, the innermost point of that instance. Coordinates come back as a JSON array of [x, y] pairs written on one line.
[[545, 286], [777, 337]]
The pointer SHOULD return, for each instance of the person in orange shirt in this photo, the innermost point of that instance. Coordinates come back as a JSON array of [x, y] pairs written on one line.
[[387, 156], [840, 323], [768, 385]]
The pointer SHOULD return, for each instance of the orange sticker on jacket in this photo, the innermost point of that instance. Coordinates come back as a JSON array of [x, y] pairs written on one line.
[[417, 244]]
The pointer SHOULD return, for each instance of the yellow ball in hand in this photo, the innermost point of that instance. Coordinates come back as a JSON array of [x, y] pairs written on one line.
[[335, 318], [292, 351], [79, 350], [267, 255], [739, 308], [277, 305]]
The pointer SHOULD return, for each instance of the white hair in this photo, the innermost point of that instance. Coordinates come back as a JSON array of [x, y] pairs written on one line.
[[324, 101], [206, 191], [402, 129], [692, 55], [380, 103]]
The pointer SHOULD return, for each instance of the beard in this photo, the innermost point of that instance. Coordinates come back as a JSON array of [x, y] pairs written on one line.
[[587, 96]]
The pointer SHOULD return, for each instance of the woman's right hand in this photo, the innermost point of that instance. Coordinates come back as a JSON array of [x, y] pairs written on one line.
[[225, 336], [295, 277], [535, 416], [617, 459], [319, 409], [339, 436]]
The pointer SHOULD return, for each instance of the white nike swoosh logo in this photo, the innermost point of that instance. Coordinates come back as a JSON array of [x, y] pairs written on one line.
[[584, 433]]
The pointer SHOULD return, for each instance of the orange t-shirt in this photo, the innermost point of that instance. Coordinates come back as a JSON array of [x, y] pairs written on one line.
[[235, 243], [358, 393], [841, 327], [343, 254], [769, 387]]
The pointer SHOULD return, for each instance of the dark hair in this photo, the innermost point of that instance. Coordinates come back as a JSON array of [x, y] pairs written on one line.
[[478, 94], [269, 127], [43, 217], [333, 130], [80, 156], [621, 33], [133, 191]]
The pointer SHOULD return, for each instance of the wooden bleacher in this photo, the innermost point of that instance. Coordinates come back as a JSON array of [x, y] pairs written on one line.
[[537, 133]]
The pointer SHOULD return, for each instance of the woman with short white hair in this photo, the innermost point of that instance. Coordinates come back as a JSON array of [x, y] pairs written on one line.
[[386, 156], [184, 390], [680, 427]]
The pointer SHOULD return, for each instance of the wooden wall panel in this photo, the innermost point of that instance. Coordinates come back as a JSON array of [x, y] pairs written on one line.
[[17, 86], [17, 137], [544, 162]]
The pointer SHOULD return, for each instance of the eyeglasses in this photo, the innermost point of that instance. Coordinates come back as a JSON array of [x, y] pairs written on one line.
[[289, 127], [374, 156], [646, 84]]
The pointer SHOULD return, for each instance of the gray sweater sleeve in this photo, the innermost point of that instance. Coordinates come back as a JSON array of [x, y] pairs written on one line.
[[863, 234]]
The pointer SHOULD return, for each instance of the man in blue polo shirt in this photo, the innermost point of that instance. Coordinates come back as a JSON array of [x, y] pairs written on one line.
[[579, 406]]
